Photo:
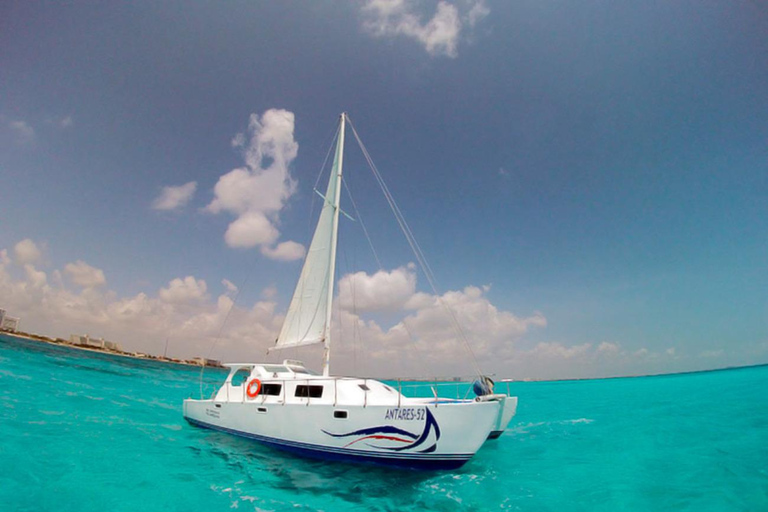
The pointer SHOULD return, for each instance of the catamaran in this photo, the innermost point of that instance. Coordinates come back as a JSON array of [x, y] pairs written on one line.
[[290, 407]]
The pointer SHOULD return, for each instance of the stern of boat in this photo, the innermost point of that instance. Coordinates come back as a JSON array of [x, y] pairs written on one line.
[[507, 409]]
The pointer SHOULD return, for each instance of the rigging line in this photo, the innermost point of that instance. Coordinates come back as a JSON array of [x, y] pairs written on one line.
[[218, 335], [375, 255], [317, 181], [415, 248], [328, 154], [338, 310], [362, 225]]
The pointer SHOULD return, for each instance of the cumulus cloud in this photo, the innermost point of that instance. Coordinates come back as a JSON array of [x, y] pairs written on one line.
[[82, 274], [229, 285], [418, 340], [251, 229], [35, 278], [255, 194], [427, 332], [173, 198], [560, 351], [284, 251], [477, 13], [27, 251], [270, 292], [183, 291], [382, 291], [182, 311], [439, 35], [608, 348]]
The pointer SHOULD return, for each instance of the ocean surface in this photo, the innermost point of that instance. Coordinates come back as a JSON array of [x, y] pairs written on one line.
[[91, 432]]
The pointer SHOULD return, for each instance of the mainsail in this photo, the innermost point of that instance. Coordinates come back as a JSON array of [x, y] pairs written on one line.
[[309, 314]]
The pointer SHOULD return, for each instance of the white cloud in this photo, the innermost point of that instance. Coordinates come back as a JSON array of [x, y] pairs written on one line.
[[439, 35], [270, 292], [183, 291], [383, 291], [173, 198], [419, 340], [608, 348], [85, 275], [229, 285], [182, 310], [27, 251], [477, 12], [23, 133], [66, 122], [284, 251], [36, 278], [558, 350], [256, 193], [251, 229], [238, 140], [428, 334]]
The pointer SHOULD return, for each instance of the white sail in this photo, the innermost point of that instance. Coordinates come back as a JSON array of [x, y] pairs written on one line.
[[308, 319]]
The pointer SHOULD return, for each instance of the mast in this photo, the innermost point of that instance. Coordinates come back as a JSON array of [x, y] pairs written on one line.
[[334, 237]]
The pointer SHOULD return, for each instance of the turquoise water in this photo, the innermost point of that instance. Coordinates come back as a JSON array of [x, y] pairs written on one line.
[[90, 432]]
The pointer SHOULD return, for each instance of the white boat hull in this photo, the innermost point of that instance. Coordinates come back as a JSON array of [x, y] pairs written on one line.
[[419, 434]]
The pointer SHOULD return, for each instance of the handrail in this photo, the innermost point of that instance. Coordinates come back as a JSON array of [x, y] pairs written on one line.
[[444, 388]]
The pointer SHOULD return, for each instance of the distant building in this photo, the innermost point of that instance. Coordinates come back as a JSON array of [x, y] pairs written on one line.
[[113, 346], [9, 323], [2, 316], [86, 341], [205, 362]]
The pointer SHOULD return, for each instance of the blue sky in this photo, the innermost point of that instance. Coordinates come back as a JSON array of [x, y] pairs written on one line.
[[587, 179]]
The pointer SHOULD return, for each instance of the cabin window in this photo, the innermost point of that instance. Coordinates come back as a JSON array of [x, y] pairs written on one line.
[[240, 376], [342, 415], [271, 389], [364, 387], [274, 368], [309, 391]]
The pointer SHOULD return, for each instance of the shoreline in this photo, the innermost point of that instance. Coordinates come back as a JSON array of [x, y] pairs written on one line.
[[165, 360], [49, 341]]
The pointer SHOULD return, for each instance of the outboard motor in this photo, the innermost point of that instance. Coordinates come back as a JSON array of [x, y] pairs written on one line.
[[483, 386]]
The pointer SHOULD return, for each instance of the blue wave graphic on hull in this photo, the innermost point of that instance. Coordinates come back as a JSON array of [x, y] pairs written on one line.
[[390, 433]]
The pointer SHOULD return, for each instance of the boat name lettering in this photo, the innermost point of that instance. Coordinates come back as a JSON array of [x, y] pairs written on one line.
[[405, 413]]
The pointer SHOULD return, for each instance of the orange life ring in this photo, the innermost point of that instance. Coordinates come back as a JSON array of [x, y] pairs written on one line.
[[250, 392]]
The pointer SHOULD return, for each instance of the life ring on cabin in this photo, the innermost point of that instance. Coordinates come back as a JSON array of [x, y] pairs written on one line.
[[249, 390]]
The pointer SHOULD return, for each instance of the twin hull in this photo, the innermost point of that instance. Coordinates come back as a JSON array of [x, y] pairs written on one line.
[[414, 435]]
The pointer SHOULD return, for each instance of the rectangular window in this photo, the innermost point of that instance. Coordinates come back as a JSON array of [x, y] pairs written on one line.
[[271, 389], [309, 391]]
